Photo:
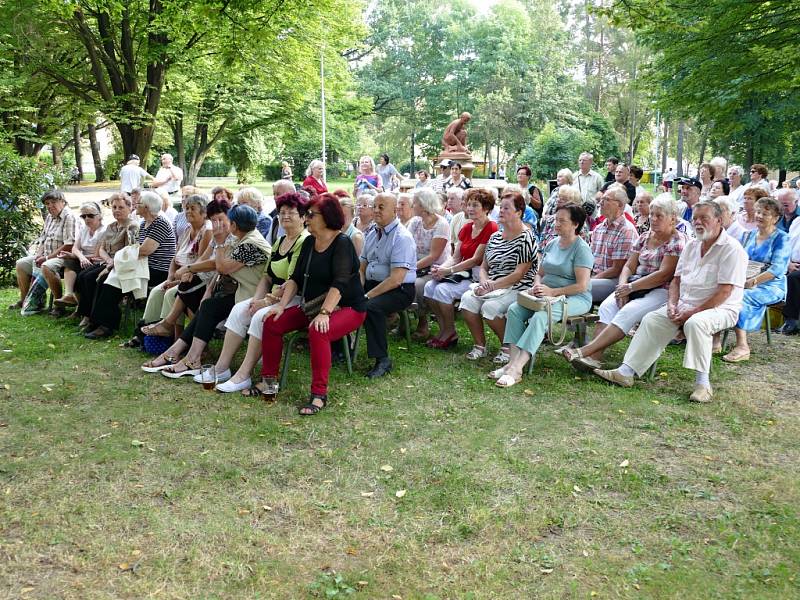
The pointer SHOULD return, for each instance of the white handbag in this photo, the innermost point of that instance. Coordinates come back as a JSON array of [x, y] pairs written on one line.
[[545, 303]]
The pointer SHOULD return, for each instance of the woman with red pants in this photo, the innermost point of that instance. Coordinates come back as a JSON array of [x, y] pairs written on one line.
[[327, 270]]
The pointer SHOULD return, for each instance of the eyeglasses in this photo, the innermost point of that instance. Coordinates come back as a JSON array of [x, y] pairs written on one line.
[[288, 214], [84, 217], [311, 214]]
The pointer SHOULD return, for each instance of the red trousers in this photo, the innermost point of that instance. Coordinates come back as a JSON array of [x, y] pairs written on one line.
[[341, 322]]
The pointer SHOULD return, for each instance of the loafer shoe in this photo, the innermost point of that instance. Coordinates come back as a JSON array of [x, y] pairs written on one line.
[[701, 394], [615, 377], [99, 333], [221, 377], [230, 386]]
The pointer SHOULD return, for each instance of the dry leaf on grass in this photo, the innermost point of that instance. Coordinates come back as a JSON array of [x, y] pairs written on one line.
[[624, 463], [545, 571], [137, 443], [387, 468], [367, 494], [400, 493]]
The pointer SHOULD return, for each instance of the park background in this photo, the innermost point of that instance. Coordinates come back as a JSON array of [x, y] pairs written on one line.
[[431, 483]]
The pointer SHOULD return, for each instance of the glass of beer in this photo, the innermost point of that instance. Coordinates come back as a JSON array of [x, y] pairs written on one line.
[[209, 375]]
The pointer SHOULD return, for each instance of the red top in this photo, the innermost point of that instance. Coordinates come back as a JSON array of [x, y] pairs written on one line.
[[317, 186], [470, 245]]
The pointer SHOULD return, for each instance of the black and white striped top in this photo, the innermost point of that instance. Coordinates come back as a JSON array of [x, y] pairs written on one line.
[[160, 231], [503, 256]]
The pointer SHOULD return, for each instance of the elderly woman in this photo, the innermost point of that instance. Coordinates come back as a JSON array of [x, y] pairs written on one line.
[[729, 210], [452, 279], [157, 243], [455, 208], [643, 284], [566, 271], [771, 247], [404, 210], [641, 207], [239, 269], [365, 206], [706, 174], [315, 177], [747, 217], [124, 231], [533, 194], [179, 224], [247, 316], [84, 251], [509, 264], [349, 229], [566, 195], [252, 197], [735, 173], [190, 247], [367, 179], [563, 177], [758, 178], [456, 178], [194, 277], [328, 269], [431, 234]]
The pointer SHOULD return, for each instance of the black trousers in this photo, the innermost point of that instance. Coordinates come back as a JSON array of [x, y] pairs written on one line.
[[378, 309], [106, 307], [211, 312], [791, 309], [86, 287]]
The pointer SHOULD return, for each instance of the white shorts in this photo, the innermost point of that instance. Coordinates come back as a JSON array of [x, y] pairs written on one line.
[[489, 309]]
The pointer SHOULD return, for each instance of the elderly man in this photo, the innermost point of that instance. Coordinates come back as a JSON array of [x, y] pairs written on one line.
[[455, 209], [788, 200], [169, 177], [58, 235], [279, 188], [588, 181], [437, 183], [622, 175], [690, 188], [131, 175], [612, 241], [704, 297], [791, 308], [388, 270]]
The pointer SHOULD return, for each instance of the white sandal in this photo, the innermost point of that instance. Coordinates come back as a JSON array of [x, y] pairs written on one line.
[[476, 352], [497, 373], [507, 381]]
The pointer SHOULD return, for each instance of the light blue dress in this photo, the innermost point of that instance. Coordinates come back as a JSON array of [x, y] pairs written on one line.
[[775, 251], [526, 328]]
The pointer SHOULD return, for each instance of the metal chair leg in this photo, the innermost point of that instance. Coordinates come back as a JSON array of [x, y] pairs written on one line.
[[287, 355], [651, 372], [405, 323], [347, 357], [769, 327]]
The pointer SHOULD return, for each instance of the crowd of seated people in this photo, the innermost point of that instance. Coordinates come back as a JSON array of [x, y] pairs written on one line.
[[661, 269]]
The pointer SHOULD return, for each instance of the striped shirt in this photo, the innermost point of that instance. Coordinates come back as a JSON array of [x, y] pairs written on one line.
[[161, 232], [503, 256]]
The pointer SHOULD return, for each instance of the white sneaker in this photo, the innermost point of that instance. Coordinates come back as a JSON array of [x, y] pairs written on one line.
[[230, 386], [221, 377]]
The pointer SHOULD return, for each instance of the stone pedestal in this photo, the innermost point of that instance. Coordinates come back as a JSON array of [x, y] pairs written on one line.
[[463, 158]]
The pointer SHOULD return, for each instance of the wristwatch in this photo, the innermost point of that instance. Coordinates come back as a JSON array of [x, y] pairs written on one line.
[[325, 311]]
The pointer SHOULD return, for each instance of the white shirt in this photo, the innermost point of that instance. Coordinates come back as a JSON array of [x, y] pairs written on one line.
[[738, 196], [669, 176], [130, 177], [724, 263], [588, 185], [794, 240], [173, 178]]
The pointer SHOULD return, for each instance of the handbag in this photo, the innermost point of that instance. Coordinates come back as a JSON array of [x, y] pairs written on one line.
[[311, 307], [456, 277], [545, 303], [225, 286]]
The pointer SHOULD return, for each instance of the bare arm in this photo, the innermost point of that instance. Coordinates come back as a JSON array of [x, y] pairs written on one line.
[[614, 271], [437, 247]]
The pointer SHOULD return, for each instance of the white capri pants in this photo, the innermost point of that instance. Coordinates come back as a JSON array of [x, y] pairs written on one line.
[[240, 322], [445, 292], [489, 309], [627, 317]]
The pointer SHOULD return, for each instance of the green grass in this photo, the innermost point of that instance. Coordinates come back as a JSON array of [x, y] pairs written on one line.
[[114, 483]]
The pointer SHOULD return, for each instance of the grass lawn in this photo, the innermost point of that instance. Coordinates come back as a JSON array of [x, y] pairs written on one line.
[[430, 483]]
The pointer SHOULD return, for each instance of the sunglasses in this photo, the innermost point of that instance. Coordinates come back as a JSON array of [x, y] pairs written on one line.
[[84, 217]]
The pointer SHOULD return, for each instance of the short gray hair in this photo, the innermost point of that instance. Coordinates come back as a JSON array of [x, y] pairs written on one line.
[[151, 201], [727, 203], [198, 200], [709, 204], [455, 191], [588, 155], [738, 168], [566, 174], [665, 204], [428, 200], [279, 185], [618, 192], [248, 195]]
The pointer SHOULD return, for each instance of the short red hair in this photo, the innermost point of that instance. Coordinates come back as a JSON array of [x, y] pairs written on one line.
[[330, 209]]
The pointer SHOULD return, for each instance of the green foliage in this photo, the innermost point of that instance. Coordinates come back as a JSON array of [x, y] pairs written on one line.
[[554, 148], [22, 182]]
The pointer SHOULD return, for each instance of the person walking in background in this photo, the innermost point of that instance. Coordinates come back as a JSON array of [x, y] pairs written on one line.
[[131, 175]]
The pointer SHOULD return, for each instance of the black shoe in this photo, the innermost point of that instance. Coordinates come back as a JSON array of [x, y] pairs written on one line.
[[99, 333], [383, 366], [337, 357], [788, 329]]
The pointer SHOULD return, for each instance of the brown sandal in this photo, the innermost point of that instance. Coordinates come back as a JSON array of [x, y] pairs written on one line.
[[159, 329], [150, 367]]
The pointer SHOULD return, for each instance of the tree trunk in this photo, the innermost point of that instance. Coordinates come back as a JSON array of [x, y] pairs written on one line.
[[177, 135], [664, 148], [99, 173], [413, 143], [703, 144], [781, 177], [76, 142], [679, 153], [58, 161]]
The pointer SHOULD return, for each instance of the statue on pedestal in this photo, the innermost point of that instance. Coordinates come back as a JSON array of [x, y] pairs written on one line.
[[454, 139]]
